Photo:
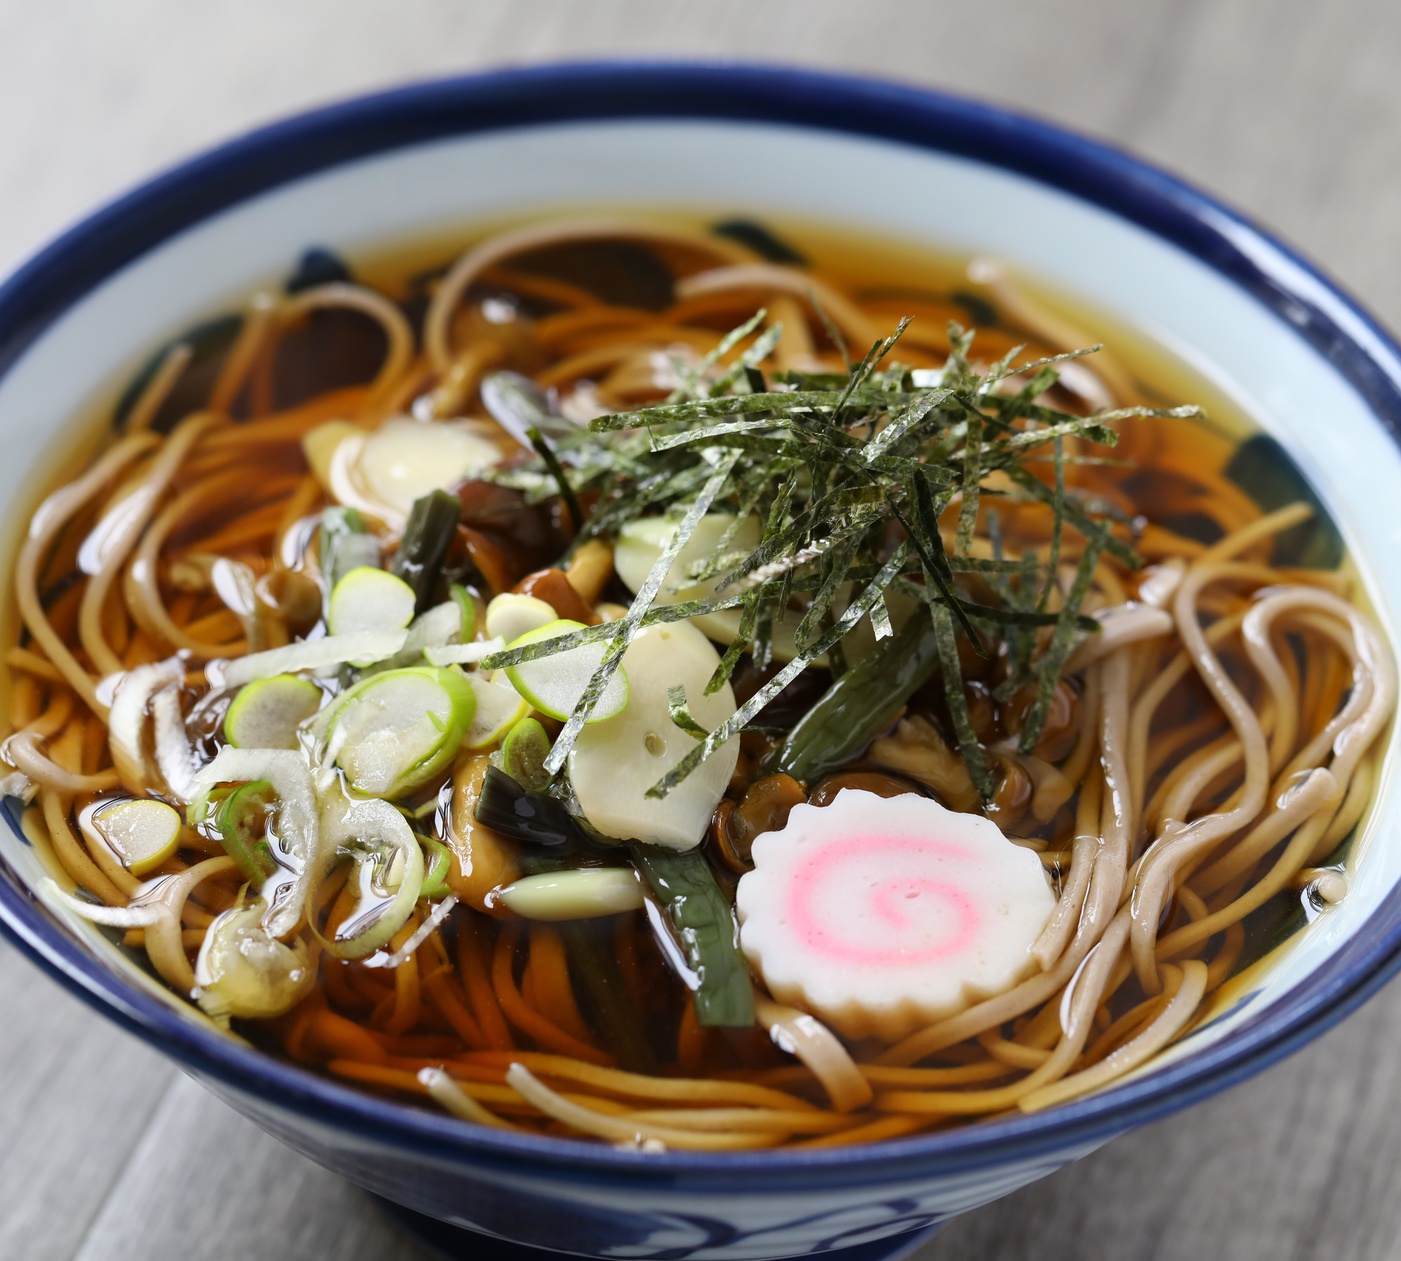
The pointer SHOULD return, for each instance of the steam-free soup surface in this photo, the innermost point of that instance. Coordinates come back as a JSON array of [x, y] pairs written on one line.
[[561, 676]]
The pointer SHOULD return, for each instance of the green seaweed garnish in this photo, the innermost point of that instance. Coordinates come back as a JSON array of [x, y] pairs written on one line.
[[852, 476]]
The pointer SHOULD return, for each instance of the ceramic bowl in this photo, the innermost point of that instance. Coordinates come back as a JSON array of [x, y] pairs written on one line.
[[1261, 324]]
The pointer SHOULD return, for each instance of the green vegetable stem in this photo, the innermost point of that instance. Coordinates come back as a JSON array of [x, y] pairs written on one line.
[[861, 704], [705, 925], [427, 536]]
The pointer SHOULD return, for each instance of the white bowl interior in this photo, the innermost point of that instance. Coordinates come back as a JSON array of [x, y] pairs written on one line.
[[952, 204]]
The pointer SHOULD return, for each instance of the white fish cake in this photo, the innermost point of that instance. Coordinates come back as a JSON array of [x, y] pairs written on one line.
[[882, 915]]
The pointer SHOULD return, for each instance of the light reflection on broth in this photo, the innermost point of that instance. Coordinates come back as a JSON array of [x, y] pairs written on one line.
[[219, 617]]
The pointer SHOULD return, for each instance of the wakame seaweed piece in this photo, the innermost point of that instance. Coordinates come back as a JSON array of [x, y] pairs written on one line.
[[318, 266], [616, 1018], [209, 344], [427, 536], [704, 923], [1262, 468], [762, 240], [859, 705], [530, 818], [980, 312]]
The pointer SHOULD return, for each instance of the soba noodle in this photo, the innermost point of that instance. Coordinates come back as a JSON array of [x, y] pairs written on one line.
[[1214, 747]]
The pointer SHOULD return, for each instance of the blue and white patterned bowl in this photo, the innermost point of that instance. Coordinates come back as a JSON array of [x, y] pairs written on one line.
[[1259, 322]]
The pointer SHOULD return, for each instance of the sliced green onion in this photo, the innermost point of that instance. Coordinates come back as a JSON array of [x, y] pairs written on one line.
[[244, 972], [345, 544], [439, 863], [127, 720], [369, 600], [142, 832], [509, 615], [296, 818], [267, 712], [499, 710], [242, 823], [308, 654], [396, 730], [376, 836], [463, 654], [523, 755], [583, 893], [467, 605], [433, 631], [554, 685]]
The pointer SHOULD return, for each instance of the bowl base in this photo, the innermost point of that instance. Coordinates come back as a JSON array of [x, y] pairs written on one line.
[[454, 1243]]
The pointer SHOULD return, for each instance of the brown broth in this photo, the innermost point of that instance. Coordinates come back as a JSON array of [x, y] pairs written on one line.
[[1167, 461]]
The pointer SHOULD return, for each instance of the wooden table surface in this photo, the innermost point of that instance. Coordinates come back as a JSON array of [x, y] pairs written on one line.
[[1291, 109]]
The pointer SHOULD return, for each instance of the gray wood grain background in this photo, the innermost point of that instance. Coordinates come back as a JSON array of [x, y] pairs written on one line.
[[1291, 109]]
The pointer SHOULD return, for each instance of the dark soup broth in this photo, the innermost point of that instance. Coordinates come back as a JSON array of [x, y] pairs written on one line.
[[690, 684]]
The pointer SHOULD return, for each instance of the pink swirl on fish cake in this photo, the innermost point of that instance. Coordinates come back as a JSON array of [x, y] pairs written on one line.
[[954, 915]]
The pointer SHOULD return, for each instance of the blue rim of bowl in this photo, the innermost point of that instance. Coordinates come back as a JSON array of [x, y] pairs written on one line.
[[1275, 275]]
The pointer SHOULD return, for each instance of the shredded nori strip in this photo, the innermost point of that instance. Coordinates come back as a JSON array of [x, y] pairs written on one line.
[[853, 474]]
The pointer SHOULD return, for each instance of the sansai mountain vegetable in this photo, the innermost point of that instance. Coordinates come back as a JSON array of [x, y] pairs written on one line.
[[511, 810], [831, 467], [427, 536], [266, 713], [705, 927], [482, 861], [860, 704]]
